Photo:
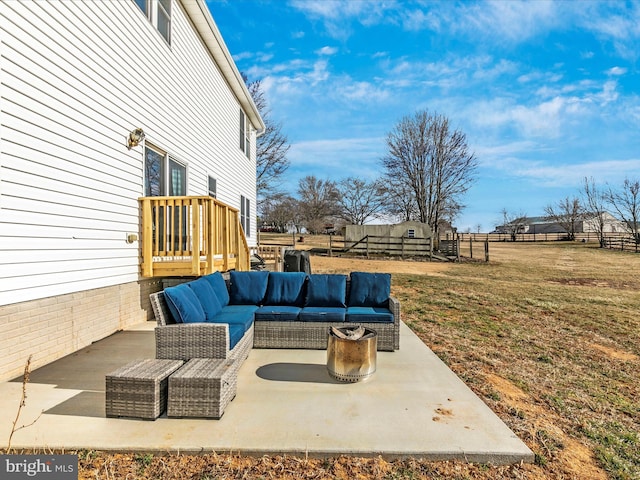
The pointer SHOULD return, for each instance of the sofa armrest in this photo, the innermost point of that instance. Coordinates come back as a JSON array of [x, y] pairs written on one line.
[[394, 307], [184, 341], [161, 309]]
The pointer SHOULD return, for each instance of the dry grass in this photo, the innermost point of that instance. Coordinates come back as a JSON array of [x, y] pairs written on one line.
[[546, 334]]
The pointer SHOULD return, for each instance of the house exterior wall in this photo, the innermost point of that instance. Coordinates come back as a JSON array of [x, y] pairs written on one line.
[[610, 225], [49, 328], [76, 78]]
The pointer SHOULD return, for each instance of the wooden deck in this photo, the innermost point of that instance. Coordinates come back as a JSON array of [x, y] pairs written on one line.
[[190, 236]]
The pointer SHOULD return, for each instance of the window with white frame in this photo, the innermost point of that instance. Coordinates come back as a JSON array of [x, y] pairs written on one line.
[[213, 187], [163, 174], [245, 134], [158, 12], [411, 233], [245, 215]]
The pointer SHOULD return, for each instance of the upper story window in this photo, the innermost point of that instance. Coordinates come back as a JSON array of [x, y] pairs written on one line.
[[159, 14], [411, 233], [245, 134]]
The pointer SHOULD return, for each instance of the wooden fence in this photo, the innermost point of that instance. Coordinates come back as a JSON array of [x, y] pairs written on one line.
[[371, 245], [273, 255], [625, 244], [536, 237]]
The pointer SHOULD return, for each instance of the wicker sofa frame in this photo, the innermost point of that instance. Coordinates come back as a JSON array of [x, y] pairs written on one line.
[[314, 335], [211, 340], [184, 341]]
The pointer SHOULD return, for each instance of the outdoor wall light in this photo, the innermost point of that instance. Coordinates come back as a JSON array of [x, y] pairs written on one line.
[[135, 137]]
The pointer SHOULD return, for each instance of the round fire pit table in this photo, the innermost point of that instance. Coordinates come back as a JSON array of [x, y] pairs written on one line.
[[349, 359]]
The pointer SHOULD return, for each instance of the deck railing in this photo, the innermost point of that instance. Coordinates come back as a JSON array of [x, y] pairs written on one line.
[[190, 236]]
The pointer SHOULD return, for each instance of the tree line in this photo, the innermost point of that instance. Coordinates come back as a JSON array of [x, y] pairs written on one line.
[[425, 172], [593, 203]]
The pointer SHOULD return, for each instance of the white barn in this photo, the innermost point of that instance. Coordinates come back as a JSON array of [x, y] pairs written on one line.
[[77, 78]]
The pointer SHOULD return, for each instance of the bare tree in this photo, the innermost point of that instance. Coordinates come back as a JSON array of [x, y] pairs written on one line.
[[281, 211], [360, 200], [626, 201], [513, 223], [595, 202], [318, 202], [271, 148], [566, 213], [434, 161], [401, 202]]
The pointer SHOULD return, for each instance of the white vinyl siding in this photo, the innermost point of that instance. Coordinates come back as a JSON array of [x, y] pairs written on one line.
[[76, 79], [158, 12]]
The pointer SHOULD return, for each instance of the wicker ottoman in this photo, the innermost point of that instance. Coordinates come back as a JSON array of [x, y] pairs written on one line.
[[203, 387], [139, 389]]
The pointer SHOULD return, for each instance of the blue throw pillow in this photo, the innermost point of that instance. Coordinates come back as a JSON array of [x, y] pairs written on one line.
[[183, 304], [285, 288], [369, 289], [207, 297], [326, 290], [219, 286], [248, 288]]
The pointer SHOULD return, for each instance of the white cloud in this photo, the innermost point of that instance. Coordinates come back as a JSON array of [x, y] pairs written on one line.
[[265, 57], [337, 15], [616, 71], [607, 170], [348, 156], [508, 20], [242, 56], [326, 51]]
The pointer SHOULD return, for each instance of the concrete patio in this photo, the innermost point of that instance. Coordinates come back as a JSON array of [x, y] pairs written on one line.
[[286, 402]]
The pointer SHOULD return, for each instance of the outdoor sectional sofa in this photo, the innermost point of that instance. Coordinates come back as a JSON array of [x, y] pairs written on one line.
[[218, 317]]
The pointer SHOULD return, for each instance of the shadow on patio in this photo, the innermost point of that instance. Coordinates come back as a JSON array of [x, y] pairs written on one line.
[[286, 402]]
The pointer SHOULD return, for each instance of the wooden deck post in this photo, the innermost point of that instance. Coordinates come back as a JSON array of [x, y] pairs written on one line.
[[195, 236], [147, 239]]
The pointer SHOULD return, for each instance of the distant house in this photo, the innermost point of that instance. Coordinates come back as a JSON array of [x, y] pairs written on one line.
[[541, 225], [121, 122]]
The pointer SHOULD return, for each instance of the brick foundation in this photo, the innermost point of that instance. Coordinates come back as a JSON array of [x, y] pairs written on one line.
[[50, 328]]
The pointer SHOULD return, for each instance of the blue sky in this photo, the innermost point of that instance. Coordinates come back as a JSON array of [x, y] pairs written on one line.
[[546, 92]]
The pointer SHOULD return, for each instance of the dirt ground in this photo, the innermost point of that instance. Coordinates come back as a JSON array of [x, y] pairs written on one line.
[[320, 264]]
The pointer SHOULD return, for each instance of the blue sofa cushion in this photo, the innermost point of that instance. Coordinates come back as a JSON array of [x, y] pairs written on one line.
[[230, 309], [369, 314], [183, 304], [278, 313], [285, 288], [219, 286], [248, 288], [207, 297], [237, 315], [326, 290], [369, 289], [322, 314], [236, 332]]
